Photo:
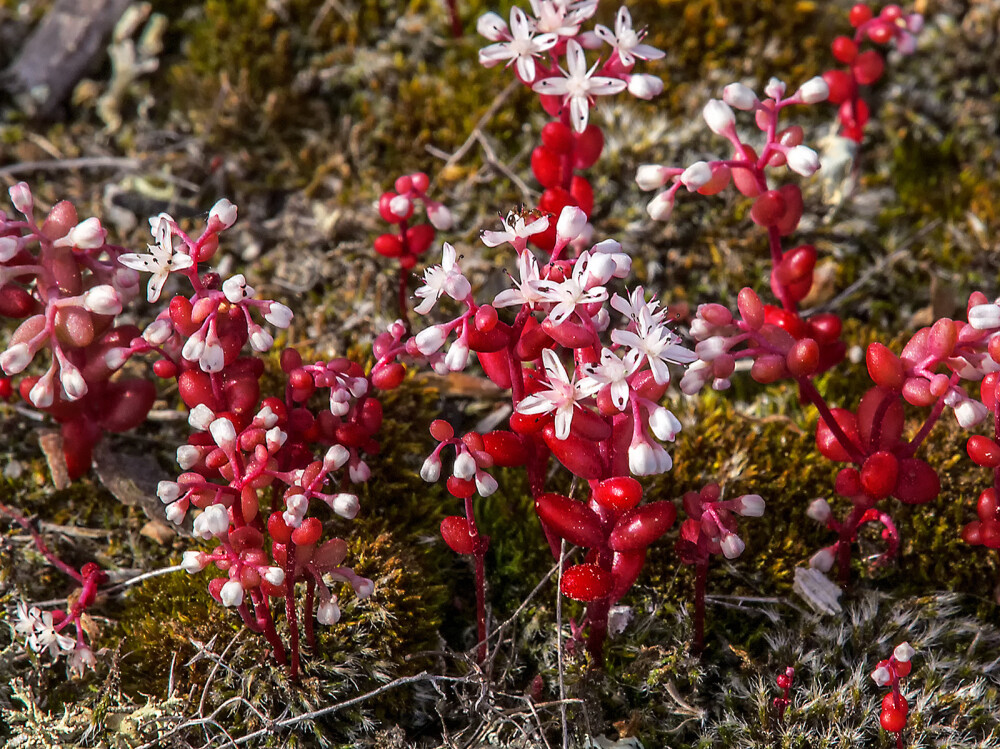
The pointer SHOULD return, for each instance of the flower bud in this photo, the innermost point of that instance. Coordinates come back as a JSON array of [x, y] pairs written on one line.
[[87, 235], [274, 438], [641, 459], [9, 247], [430, 471], [187, 456], [43, 393], [903, 652], [363, 587], [336, 457], [224, 433], [168, 491], [814, 91], [970, 412], [719, 116], [236, 289], [822, 560], [697, 175], [660, 207], [158, 332], [465, 466], [194, 561], [224, 213], [278, 315], [15, 359], [400, 206], [20, 196], [664, 424], [802, 160], [328, 613], [485, 484], [571, 222], [732, 545], [231, 593], [359, 472], [750, 506], [260, 339], [346, 505], [739, 96], [881, 676], [457, 357], [201, 417], [429, 340], [985, 316], [440, 217], [103, 300], [651, 176], [72, 382], [645, 86], [819, 510], [275, 575], [775, 88]]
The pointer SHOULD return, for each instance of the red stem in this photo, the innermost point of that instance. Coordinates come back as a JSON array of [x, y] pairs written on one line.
[[480, 544], [40, 543]]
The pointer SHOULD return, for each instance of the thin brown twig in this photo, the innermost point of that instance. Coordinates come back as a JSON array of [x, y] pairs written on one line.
[[85, 162]]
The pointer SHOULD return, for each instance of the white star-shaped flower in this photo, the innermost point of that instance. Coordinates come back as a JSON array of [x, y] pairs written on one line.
[[27, 619], [527, 289], [560, 16], [46, 637], [635, 305], [654, 342], [516, 231], [627, 41], [562, 397], [574, 291], [612, 372], [522, 47], [161, 260], [578, 86], [441, 279]]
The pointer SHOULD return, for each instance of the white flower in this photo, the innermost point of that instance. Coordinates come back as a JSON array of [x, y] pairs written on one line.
[[161, 260], [465, 465], [527, 290], [647, 459], [214, 521], [561, 17], [523, 47], [572, 221], [158, 332], [493, 27], [654, 342], [612, 373], [46, 637], [515, 231], [236, 289], [82, 659], [441, 279], [576, 290], [626, 41], [578, 86], [27, 619], [562, 396], [336, 457]]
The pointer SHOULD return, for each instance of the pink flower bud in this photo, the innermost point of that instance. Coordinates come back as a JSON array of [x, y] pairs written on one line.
[[43, 393], [429, 340], [485, 484], [73, 384], [571, 222], [336, 457], [14, 360], [363, 587], [224, 213], [750, 506], [20, 196], [430, 471], [274, 438], [732, 545], [359, 472], [775, 88], [327, 613], [822, 560], [664, 424], [9, 247], [819, 510], [440, 217]]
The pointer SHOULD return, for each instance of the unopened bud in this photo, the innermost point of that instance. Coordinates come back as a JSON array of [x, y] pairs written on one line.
[[739, 96], [224, 213], [718, 116]]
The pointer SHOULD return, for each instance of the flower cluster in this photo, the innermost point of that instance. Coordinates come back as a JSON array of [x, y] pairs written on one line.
[[585, 389], [865, 68], [888, 673], [536, 44], [63, 281]]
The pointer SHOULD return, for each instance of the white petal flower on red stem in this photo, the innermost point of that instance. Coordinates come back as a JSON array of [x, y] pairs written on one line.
[[441, 279], [626, 40], [574, 291], [655, 343], [522, 47], [161, 261], [578, 86], [562, 396], [515, 231], [613, 373], [526, 290]]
